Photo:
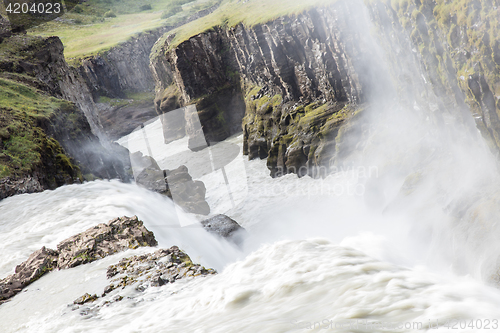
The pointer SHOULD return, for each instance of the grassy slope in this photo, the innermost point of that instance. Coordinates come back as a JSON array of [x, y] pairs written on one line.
[[250, 13], [24, 146], [22, 108], [87, 30]]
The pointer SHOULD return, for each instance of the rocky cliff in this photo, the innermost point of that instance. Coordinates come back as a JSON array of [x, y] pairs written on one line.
[[295, 82], [50, 132], [110, 95], [122, 74]]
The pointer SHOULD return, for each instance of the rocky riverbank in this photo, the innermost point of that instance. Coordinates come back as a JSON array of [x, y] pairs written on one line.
[[120, 234]]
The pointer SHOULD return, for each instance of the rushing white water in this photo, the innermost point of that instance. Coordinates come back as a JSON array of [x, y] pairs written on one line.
[[320, 255], [363, 271]]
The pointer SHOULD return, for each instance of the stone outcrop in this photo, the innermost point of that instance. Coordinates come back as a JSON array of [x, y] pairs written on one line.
[[71, 144], [39, 263], [177, 184], [122, 74], [154, 269], [142, 272], [103, 240], [225, 227], [10, 187], [186, 192], [98, 242], [298, 79]]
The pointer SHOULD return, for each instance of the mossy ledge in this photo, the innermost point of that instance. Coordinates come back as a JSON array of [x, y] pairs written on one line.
[[46, 140], [26, 149]]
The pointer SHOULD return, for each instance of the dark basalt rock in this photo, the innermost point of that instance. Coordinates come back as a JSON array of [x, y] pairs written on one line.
[[10, 187], [186, 192], [95, 243], [225, 227], [177, 184]]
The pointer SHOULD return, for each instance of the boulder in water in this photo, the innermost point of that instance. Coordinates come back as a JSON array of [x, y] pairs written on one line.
[[103, 240], [39, 263], [177, 184], [225, 227], [189, 194], [144, 271]]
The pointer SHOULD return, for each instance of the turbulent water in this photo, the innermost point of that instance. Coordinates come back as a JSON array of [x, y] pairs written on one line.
[[316, 259], [348, 253]]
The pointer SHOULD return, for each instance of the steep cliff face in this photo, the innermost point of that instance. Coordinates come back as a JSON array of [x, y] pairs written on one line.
[[299, 77], [48, 141], [302, 77], [122, 69], [123, 75], [204, 72], [456, 45]]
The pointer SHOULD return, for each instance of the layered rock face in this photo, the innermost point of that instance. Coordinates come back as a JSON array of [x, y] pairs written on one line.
[[457, 47], [202, 72], [122, 69], [302, 77], [299, 79], [123, 75]]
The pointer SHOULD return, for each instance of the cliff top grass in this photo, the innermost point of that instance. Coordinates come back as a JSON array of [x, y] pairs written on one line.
[[95, 26], [250, 13], [21, 109]]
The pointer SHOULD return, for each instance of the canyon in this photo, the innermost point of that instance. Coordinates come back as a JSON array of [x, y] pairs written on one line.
[[295, 85]]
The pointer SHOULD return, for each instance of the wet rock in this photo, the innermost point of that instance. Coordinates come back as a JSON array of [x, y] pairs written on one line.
[[153, 270], [103, 240], [177, 184], [95, 243], [39, 263], [27, 184], [148, 173], [87, 298], [186, 192], [141, 272], [225, 227]]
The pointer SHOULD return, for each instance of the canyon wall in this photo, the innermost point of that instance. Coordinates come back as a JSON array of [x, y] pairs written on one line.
[[60, 143], [298, 82], [71, 143]]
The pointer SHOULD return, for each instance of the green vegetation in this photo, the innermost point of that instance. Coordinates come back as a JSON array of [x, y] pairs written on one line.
[[250, 13], [22, 141], [95, 26], [459, 41], [131, 99], [17, 48]]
